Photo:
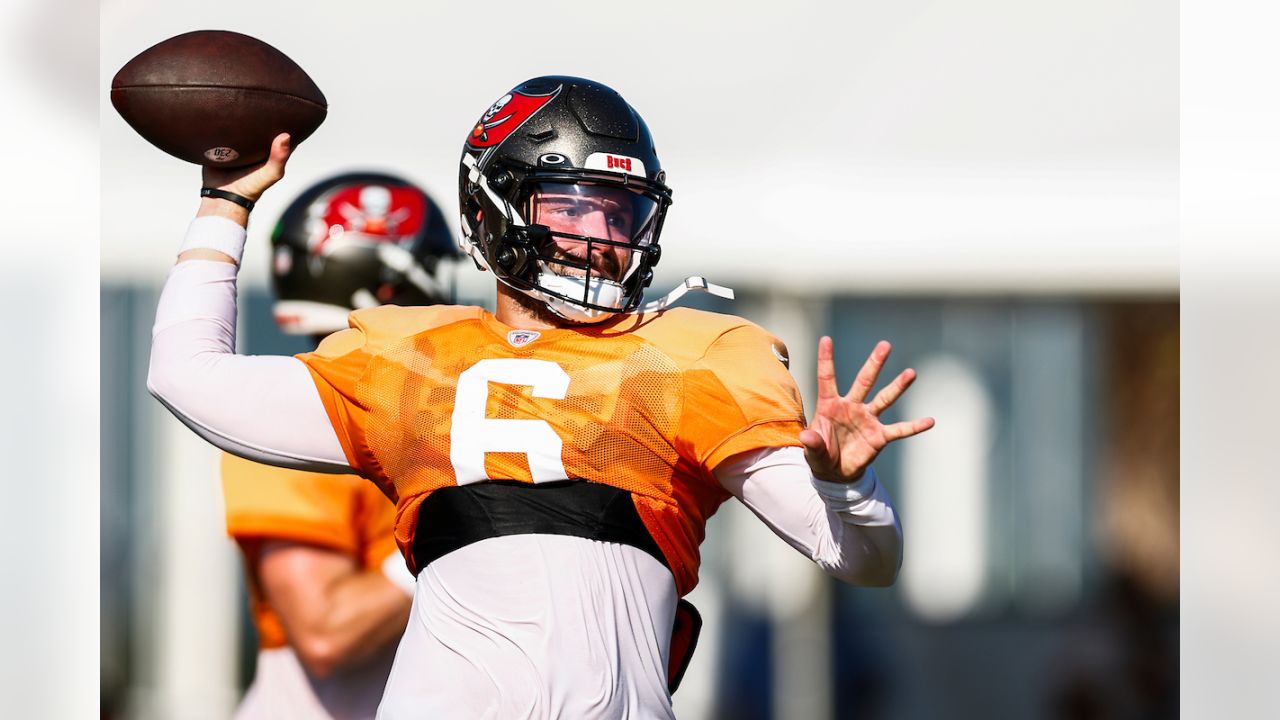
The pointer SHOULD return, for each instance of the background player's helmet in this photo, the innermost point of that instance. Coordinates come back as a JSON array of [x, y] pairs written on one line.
[[568, 133], [352, 241]]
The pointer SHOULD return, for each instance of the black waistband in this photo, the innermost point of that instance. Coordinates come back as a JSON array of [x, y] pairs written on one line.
[[454, 517]]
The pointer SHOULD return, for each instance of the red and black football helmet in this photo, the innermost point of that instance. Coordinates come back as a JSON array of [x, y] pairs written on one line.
[[576, 138], [356, 240]]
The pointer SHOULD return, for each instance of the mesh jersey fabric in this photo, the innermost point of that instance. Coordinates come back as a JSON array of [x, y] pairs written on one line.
[[344, 513], [649, 404]]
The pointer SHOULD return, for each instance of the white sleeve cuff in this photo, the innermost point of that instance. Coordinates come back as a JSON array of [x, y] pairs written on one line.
[[864, 502], [853, 492], [398, 573], [213, 232]]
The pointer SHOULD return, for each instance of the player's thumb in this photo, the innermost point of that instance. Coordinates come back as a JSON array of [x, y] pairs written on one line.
[[812, 441], [815, 452], [281, 148]]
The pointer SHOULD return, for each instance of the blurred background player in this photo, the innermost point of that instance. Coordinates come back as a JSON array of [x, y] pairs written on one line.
[[329, 591]]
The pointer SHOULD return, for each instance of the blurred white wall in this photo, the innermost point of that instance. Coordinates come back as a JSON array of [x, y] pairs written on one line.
[[49, 514], [913, 146]]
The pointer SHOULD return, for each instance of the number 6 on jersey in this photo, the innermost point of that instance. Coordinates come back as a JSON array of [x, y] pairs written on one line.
[[473, 434]]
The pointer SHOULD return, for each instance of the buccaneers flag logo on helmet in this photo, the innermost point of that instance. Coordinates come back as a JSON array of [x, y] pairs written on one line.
[[506, 116], [378, 212]]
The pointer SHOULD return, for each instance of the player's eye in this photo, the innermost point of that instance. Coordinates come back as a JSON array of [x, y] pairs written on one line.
[[561, 211]]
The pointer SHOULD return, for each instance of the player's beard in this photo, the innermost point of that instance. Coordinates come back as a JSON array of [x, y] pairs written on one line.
[[537, 308], [604, 266]]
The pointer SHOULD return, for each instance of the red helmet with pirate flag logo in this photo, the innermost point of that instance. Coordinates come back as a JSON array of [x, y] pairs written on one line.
[[580, 140], [356, 240]]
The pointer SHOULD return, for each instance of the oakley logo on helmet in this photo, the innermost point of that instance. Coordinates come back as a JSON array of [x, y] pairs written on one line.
[[615, 163], [505, 117]]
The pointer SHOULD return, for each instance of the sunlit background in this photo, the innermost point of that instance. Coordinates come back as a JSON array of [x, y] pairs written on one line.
[[990, 185]]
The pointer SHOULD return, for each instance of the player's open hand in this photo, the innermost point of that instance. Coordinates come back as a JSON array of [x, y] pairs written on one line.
[[846, 434], [253, 180]]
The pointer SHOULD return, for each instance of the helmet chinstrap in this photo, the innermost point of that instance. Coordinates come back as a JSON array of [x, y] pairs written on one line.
[[536, 242]]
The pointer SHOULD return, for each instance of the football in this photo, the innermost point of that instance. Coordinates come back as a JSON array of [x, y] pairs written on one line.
[[214, 97]]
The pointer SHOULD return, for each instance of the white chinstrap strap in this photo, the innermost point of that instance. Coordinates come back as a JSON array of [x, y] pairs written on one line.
[[599, 291], [696, 283], [576, 313]]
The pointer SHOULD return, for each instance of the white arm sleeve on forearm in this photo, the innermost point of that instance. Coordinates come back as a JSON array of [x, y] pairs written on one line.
[[264, 408], [851, 531]]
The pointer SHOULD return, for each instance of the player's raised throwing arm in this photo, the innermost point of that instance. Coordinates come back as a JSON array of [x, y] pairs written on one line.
[[263, 408]]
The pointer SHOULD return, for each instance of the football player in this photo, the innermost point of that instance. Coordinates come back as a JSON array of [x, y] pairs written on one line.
[[329, 592], [554, 463]]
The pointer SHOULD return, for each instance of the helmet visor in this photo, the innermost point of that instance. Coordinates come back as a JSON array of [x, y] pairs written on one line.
[[599, 229]]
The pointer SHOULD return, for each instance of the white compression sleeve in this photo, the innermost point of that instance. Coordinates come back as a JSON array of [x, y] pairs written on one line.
[[263, 408], [851, 531]]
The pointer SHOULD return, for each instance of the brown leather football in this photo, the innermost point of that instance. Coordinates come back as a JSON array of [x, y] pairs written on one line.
[[214, 97]]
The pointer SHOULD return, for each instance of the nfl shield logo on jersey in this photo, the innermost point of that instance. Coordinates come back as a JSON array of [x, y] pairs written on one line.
[[519, 338]]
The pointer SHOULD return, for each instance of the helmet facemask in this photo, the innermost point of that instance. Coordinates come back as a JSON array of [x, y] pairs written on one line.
[[578, 142], [583, 244]]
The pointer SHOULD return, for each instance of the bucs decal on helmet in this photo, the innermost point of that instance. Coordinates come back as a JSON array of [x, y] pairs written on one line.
[[615, 163], [505, 117], [378, 213]]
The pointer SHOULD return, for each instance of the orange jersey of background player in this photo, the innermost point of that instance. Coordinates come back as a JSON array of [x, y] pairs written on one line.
[[343, 513], [426, 398]]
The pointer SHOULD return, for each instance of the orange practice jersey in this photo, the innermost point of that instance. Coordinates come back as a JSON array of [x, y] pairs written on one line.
[[343, 513], [429, 397]]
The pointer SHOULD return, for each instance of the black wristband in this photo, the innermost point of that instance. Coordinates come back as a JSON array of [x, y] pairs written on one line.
[[240, 200]]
